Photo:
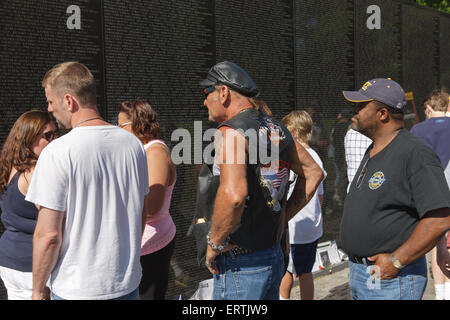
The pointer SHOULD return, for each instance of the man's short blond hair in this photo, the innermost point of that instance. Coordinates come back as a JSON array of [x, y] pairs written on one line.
[[301, 123], [438, 100], [74, 78]]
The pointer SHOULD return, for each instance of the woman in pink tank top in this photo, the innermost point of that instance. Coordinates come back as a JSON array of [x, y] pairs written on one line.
[[158, 240]]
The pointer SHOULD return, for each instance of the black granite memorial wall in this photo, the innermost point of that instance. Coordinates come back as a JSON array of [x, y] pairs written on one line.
[[259, 38], [420, 53], [324, 58], [377, 51], [444, 45]]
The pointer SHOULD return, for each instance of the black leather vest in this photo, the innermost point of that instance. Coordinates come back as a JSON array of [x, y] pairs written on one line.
[[267, 181]]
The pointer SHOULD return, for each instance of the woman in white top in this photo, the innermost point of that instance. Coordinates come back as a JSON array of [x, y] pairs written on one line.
[[305, 228], [158, 239]]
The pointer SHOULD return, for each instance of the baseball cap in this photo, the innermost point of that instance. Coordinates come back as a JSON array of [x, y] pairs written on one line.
[[233, 76], [383, 90]]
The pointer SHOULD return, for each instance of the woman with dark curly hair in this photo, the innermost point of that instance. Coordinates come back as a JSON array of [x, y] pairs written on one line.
[[158, 240], [31, 133]]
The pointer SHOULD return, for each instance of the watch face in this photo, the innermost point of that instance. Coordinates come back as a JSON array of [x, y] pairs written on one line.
[[396, 262]]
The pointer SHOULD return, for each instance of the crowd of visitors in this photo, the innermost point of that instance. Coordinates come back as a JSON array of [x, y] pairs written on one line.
[[87, 214]]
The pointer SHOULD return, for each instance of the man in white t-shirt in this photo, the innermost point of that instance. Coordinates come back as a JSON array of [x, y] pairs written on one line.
[[90, 185], [305, 228]]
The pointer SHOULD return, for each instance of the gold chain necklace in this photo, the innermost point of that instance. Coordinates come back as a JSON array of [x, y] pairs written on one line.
[[87, 121]]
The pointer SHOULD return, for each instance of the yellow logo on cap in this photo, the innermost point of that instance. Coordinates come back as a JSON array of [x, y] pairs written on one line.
[[366, 85]]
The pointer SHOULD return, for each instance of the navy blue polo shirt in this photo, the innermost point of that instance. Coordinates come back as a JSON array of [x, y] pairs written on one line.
[[399, 186], [436, 132]]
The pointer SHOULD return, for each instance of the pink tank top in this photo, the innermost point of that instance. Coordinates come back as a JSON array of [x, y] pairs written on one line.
[[159, 229]]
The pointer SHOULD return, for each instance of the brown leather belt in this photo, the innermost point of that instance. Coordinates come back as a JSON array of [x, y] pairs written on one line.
[[361, 260]]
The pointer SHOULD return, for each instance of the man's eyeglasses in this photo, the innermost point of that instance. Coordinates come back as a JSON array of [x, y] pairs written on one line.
[[124, 124], [50, 135], [208, 90], [362, 174]]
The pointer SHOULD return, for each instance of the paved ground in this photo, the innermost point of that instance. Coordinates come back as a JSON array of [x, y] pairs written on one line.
[[334, 285]]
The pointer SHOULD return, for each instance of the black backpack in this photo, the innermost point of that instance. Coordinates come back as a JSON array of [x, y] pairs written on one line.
[[206, 195]]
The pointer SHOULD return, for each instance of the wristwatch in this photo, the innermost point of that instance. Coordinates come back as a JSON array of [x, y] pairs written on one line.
[[219, 247], [396, 262]]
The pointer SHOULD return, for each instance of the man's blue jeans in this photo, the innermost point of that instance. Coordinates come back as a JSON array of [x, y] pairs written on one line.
[[253, 276], [408, 284]]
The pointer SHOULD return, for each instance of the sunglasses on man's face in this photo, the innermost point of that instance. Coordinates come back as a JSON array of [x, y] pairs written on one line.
[[208, 90], [362, 174], [50, 135]]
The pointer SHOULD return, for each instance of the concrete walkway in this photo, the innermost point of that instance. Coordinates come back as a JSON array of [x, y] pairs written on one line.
[[333, 284]]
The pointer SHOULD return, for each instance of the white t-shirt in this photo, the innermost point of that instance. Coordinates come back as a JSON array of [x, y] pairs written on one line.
[[447, 173], [306, 225], [98, 175]]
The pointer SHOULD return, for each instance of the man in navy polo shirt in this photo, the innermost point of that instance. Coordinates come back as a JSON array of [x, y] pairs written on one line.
[[436, 129], [436, 133], [398, 205]]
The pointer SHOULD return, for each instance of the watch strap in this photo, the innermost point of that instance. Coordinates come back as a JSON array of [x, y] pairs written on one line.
[[396, 262]]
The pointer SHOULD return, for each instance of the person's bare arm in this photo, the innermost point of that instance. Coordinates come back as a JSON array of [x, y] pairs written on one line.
[[145, 209], [47, 241], [428, 232], [232, 191], [159, 177], [443, 256], [309, 177], [159, 174]]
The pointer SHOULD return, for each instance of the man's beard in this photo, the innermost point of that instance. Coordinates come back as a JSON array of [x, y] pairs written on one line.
[[60, 124], [354, 125]]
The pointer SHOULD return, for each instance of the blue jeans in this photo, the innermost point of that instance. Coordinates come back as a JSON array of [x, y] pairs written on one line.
[[408, 284], [253, 276], [131, 296]]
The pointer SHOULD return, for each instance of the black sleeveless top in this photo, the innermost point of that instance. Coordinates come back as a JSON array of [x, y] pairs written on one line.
[[270, 146], [19, 218]]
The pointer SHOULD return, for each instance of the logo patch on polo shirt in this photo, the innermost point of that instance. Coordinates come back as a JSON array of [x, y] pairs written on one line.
[[376, 180]]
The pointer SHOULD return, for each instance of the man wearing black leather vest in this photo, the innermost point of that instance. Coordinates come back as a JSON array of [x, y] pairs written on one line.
[[254, 154]]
